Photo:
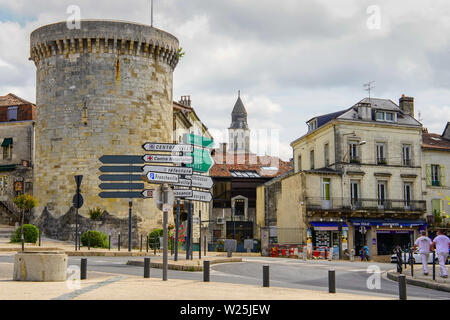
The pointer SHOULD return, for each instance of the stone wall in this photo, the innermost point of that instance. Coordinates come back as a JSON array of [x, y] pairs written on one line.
[[103, 90]]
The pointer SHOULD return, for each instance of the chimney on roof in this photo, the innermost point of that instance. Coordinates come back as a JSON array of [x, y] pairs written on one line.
[[185, 101], [365, 111], [407, 105]]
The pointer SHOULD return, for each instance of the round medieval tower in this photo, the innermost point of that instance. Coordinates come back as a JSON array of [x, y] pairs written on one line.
[[103, 89]]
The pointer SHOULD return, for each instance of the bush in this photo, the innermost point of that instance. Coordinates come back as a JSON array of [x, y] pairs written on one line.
[[30, 234], [220, 246], [153, 238], [97, 239], [95, 214]]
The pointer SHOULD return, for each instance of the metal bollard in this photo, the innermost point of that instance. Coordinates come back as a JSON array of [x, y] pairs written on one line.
[[89, 240], [154, 245], [205, 246], [402, 287], [109, 243], [331, 281], [434, 265], [140, 249], [411, 262], [83, 273], [266, 276], [39, 238], [118, 247], [206, 271], [404, 260], [326, 253], [147, 268], [147, 244]]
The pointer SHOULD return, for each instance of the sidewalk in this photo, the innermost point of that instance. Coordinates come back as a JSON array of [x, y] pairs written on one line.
[[420, 280], [103, 286]]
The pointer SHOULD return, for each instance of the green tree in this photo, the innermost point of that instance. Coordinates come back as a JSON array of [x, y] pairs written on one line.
[[24, 202]]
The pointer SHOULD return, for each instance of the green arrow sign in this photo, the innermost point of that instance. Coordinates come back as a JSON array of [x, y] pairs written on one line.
[[198, 140], [202, 160]]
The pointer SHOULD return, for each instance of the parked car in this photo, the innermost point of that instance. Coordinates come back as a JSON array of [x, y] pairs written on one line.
[[416, 257]]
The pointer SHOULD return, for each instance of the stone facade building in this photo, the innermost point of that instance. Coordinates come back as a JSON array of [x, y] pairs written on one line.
[[17, 132], [104, 89], [357, 180]]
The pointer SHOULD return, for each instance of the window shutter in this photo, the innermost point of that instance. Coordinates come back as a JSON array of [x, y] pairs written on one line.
[[442, 169], [428, 174]]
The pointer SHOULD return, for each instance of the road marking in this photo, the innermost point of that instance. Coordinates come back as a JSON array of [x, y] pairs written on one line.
[[76, 293]]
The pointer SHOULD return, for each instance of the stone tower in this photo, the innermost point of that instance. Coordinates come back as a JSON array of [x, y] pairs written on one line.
[[239, 133], [104, 89]]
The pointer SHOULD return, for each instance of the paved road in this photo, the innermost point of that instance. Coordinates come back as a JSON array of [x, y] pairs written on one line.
[[311, 275]]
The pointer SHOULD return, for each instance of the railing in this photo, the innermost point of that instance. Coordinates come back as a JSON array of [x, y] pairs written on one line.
[[351, 204]]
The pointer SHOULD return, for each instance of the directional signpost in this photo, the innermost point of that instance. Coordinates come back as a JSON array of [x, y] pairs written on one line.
[[203, 182], [201, 196], [156, 177], [167, 147], [161, 158], [199, 141], [163, 169]]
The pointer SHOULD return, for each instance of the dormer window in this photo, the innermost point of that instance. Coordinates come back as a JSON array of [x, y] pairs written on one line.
[[386, 116], [12, 113], [312, 125]]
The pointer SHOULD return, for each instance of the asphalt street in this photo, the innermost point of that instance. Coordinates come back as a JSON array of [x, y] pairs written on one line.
[[351, 277]]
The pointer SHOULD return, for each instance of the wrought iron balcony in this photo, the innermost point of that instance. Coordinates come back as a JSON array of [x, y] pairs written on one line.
[[349, 204]]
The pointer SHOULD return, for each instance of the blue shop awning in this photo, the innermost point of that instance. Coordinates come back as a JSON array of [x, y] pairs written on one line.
[[387, 223]]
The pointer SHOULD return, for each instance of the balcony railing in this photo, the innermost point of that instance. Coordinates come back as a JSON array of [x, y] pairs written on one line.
[[349, 204]]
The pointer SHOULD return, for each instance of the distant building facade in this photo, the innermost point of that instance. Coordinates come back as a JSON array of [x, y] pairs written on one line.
[[17, 132]]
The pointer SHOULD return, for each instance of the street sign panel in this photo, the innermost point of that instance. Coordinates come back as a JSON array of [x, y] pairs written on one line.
[[78, 201], [183, 183], [203, 182], [148, 193], [201, 196], [167, 147], [121, 159], [183, 193], [198, 140], [119, 169], [156, 177], [126, 186], [202, 160], [120, 177], [120, 195], [160, 158], [163, 169]]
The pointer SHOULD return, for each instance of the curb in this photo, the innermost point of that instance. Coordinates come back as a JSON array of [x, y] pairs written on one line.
[[420, 283], [159, 265]]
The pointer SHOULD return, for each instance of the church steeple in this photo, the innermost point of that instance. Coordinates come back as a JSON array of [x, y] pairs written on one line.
[[239, 133]]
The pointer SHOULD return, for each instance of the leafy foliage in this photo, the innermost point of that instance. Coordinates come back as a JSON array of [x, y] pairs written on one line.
[[30, 234], [25, 202], [97, 239], [95, 213]]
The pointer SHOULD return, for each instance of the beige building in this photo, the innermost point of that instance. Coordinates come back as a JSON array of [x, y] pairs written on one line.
[[357, 181], [436, 175]]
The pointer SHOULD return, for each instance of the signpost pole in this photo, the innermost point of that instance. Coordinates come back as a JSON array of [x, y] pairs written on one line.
[[188, 233], [191, 249], [130, 202], [165, 232], [177, 229], [200, 236]]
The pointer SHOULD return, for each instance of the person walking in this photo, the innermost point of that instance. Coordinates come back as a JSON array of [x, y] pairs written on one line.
[[442, 243], [424, 244]]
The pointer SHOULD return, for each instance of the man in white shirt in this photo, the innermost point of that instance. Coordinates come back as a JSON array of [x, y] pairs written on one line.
[[442, 244], [424, 244]]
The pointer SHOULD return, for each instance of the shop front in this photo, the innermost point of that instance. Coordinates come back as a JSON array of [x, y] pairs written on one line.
[[383, 236], [326, 235]]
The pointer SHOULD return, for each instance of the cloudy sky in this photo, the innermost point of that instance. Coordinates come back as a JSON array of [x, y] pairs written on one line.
[[291, 59]]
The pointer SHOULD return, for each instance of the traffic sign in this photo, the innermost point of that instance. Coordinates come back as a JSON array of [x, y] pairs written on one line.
[[121, 159], [167, 147], [126, 186], [163, 169], [160, 158], [201, 196], [123, 169], [78, 180], [202, 160], [120, 177], [149, 193], [198, 140], [183, 193], [120, 195], [156, 177], [78, 201], [183, 183], [203, 182]]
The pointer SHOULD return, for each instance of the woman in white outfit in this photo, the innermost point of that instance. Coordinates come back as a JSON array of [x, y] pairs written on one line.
[[424, 244], [442, 244]]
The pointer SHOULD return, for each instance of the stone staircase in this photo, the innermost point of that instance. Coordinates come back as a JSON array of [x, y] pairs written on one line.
[[5, 233]]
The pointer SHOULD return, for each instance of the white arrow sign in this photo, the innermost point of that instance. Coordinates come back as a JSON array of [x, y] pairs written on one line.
[[168, 147], [172, 170], [156, 177], [159, 158], [201, 196], [183, 183], [180, 193], [203, 182]]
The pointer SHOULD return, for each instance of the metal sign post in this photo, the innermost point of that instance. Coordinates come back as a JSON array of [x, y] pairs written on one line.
[[78, 202], [177, 229]]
